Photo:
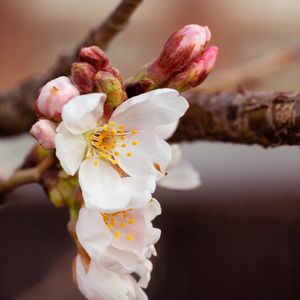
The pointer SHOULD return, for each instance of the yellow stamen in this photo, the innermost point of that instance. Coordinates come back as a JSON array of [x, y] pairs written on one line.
[[117, 234], [130, 237], [129, 154], [134, 143], [96, 163], [133, 131]]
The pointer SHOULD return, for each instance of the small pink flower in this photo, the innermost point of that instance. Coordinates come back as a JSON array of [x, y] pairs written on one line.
[[44, 131], [53, 96]]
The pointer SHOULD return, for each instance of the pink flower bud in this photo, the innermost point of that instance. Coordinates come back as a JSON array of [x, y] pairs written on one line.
[[194, 74], [53, 96], [44, 131], [94, 56], [82, 76], [180, 50], [110, 83]]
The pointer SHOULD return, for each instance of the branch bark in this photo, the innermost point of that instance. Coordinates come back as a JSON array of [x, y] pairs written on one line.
[[25, 176], [16, 106], [267, 119]]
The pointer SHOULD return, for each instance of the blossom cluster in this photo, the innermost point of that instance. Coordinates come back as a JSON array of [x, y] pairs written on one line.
[[117, 148]]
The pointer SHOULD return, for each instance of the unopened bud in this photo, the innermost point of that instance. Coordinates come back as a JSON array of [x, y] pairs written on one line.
[[193, 75], [110, 83], [82, 76], [94, 56], [62, 189], [180, 50], [44, 131], [53, 96]]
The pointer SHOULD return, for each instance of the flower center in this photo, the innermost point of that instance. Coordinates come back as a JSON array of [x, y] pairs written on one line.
[[106, 140], [119, 223]]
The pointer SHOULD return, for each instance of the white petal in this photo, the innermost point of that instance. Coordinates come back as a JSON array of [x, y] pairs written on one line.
[[181, 174], [93, 234], [140, 189], [146, 111], [150, 157], [70, 149], [166, 131], [144, 271], [83, 282], [101, 283], [138, 230], [102, 186], [152, 209], [83, 112]]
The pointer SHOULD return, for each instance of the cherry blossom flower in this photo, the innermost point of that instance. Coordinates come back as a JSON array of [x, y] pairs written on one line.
[[106, 149], [100, 282], [124, 236]]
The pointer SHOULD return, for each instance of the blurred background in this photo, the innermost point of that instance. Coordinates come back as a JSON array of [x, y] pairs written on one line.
[[237, 236]]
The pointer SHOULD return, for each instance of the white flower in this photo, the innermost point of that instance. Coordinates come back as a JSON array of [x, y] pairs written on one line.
[[103, 148], [125, 236], [181, 175], [101, 283]]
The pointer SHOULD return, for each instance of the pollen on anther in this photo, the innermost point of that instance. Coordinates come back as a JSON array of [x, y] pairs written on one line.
[[121, 126], [117, 234], [134, 143], [133, 131], [123, 145], [112, 124], [131, 221], [116, 153], [130, 237], [96, 163], [122, 225], [129, 154]]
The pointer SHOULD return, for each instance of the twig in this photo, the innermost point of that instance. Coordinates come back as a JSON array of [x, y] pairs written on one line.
[[268, 119], [251, 72], [16, 106], [25, 176]]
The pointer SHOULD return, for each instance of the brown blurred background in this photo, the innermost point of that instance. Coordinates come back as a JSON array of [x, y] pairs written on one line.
[[236, 237]]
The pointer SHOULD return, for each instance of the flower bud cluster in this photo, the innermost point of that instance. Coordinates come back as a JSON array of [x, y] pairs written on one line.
[[94, 73]]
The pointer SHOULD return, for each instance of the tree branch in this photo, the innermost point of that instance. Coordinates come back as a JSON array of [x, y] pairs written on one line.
[[268, 119], [16, 106], [25, 176]]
